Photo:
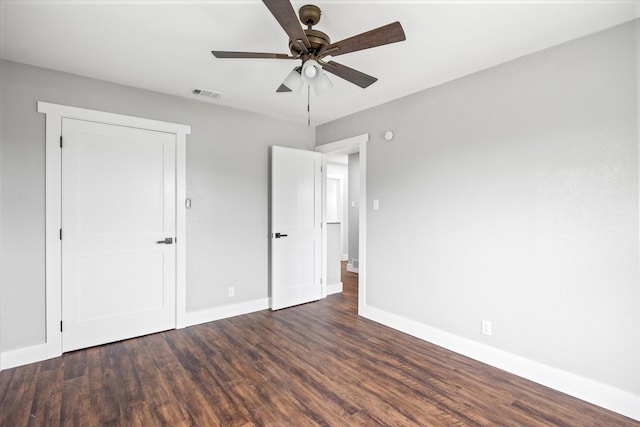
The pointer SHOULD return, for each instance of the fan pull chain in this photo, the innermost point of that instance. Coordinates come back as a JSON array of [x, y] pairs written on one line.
[[309, 106]]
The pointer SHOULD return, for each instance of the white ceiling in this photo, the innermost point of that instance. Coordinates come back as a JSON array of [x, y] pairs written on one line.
[[165, 46]]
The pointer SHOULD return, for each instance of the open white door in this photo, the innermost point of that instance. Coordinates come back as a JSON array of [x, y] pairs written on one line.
[[118, 226], [296, 215]]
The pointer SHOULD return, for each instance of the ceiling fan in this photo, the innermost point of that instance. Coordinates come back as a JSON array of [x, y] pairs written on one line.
[[312, 46]]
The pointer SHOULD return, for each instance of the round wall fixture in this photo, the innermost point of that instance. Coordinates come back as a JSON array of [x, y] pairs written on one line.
[[388, 135]]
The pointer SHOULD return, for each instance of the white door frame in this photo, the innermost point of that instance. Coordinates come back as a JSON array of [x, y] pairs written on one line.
[[354, 144], [53, 207]]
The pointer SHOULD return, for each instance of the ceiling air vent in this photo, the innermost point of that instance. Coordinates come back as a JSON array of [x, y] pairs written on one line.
[[207, 93]]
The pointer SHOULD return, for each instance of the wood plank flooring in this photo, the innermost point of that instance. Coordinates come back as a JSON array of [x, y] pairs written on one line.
[[315, 364]]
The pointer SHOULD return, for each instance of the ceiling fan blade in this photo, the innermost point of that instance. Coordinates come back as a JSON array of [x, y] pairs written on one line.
[[354, 76], [283, 88], [288, 20], [386, 34], [250, 55]]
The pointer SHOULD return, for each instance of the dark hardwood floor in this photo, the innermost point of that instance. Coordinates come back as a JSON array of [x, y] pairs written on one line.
[[315, 364]]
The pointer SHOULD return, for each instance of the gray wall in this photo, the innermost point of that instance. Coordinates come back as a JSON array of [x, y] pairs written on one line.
[[512, 195], [341, 170], [227, 179]]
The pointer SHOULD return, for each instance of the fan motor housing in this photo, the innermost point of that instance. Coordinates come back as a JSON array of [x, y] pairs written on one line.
[[317, 39], [309, 15]]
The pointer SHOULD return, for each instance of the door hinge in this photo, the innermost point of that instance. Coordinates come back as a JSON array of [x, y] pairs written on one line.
[[61, 234], [60, 141], [61, 326]]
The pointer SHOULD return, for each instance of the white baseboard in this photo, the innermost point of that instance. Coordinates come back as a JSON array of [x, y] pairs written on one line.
[[209, 315], [24, 356], [351, 268], [335, 288], [37, 353], [591, 391], [344, 257]]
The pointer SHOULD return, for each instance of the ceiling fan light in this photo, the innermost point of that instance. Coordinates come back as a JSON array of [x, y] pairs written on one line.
[[293, 81], [323, 85], [311, 72]]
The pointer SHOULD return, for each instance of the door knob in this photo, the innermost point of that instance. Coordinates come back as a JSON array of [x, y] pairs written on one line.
[[166, 241], [279, 235]]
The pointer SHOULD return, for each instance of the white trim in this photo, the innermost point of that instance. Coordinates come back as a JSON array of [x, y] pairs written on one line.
[[362, 233], [53, 206], [37, 353], [353, 144], [608, 397], [57, 110], [23, 356], [352, 269], [324, 264], [334, 288], [211, 314], [53, 219], [181, 228]]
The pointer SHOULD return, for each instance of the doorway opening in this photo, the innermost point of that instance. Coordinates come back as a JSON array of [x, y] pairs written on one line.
[[337, 219], [344, 167]]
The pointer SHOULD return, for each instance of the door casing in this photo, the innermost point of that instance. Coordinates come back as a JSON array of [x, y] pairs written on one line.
[[354, 144], [53, 204]]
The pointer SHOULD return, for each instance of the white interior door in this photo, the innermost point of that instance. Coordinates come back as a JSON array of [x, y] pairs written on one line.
[[296, 189], [118, 202]]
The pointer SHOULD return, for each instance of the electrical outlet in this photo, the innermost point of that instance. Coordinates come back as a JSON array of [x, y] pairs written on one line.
[[232, 291], [486, 327]]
